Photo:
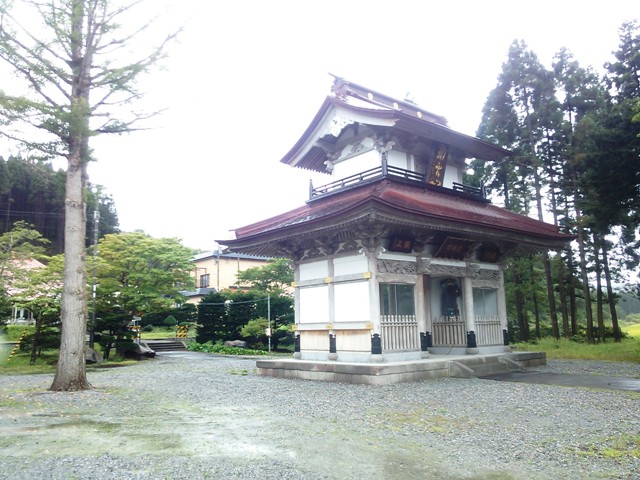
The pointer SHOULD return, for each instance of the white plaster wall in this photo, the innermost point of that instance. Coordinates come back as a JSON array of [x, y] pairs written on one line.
[[398, 159], [314, 270], [351, 302], [350, 265], [314, 304], [357, 164], [451, 174]]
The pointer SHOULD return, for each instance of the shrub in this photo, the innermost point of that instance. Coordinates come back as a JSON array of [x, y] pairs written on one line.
[[209, 347]]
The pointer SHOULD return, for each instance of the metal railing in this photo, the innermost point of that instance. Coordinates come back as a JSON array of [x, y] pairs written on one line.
[[389, 171]]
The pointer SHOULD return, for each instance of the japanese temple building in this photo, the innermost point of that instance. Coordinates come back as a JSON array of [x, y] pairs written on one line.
[[395, 258]]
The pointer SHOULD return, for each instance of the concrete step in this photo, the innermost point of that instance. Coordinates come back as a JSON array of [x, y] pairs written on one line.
[[489, 368], [166, 345], [483, 365]]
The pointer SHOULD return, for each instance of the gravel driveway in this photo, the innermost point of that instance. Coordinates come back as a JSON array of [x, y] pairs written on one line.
[[213, 417]]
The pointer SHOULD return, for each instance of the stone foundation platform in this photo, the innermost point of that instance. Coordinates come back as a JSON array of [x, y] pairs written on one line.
[[436, 366]]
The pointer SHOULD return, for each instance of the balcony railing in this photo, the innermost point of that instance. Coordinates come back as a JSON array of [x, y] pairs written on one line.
[[394, 173]]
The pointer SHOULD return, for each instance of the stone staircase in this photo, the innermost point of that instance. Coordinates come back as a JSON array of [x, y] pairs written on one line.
[[159, 346]]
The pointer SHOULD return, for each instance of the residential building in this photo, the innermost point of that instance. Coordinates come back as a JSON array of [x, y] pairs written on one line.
[[218, 270]]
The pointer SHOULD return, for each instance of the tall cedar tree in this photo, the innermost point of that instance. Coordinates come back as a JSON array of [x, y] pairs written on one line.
[[71, 56], [33, 192], [521, 114]]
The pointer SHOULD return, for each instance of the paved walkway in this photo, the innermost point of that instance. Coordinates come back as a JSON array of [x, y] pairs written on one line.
[[568, 380]]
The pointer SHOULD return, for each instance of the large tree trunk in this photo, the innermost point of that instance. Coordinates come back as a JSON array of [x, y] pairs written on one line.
[[584, 275], [617, 335], [566, 330], [523, 321], [572, 286], [551, 297], [599, 299], [70, 371]]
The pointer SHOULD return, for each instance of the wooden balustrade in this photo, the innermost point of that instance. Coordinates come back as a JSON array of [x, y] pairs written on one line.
[[449, 332], [399, 332], [488, 330]]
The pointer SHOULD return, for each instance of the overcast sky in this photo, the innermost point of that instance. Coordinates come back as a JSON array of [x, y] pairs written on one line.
[[247, 77]]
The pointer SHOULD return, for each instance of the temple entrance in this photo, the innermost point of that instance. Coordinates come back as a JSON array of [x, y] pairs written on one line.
[[449, 305], [449, 327]]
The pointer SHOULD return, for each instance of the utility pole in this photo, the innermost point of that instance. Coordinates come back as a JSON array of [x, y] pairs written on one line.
[[269, 320]]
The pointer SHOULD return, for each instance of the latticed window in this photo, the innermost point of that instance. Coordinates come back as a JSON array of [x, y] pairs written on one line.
[[396, 299], [204, 280]]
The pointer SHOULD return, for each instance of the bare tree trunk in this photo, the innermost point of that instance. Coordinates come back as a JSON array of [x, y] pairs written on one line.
[[70, 370], [599, 300], [523, 321], [572, 296], [553, 311], [617, 335], [566, 329], [583, 259], [36, 339]]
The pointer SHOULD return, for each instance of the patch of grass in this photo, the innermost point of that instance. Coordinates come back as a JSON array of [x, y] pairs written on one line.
[[632, 330], [14, 332], [628, 350], [613, 448], [159, 333], [19, 364]]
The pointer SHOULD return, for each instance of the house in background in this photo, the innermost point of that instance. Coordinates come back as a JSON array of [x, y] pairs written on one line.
[[395, 257], [20, 315], [218, 270]]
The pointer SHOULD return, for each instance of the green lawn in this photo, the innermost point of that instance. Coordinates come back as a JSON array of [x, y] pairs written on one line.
[[632, 330], [163, 333], [626, 351]]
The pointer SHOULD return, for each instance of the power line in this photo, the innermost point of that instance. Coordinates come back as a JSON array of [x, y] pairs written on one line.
[[15, 213]]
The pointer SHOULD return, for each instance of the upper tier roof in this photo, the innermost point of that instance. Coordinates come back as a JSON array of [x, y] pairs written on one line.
[[352, 103]]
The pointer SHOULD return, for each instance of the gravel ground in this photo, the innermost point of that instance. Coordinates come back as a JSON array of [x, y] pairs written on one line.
[[213, 417]]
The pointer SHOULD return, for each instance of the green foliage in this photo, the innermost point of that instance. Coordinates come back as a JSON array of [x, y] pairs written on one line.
[[185, 313], [211, 318], [632, 330], [170, 321], [142, 274], [32, 192], [628, 350], [254, 328], [111, 328], [17, 247], [223, 315], [210, 347], [275, 277]]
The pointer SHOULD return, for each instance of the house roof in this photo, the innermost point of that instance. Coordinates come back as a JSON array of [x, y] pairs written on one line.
[[400, 205], [352, 103], [226, 254]]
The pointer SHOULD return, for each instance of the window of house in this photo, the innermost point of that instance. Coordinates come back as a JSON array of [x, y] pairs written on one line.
[[396, 299], [204, 280]]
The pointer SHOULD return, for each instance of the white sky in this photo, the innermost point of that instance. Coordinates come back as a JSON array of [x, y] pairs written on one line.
[[247, 77]]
